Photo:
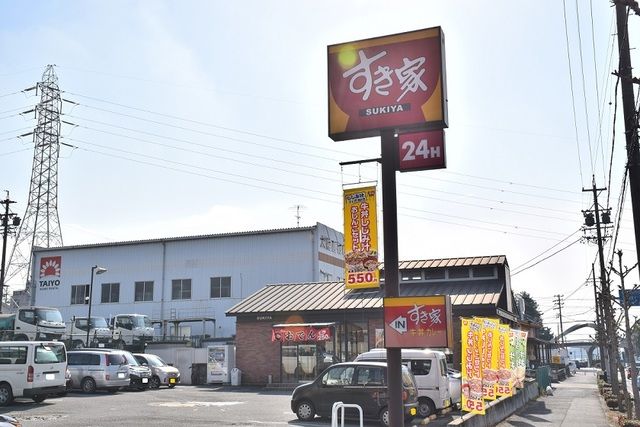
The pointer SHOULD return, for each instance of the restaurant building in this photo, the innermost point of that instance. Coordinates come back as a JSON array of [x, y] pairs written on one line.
[[286, 333]]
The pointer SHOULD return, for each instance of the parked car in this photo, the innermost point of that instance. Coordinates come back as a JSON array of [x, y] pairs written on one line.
[[139, 376], [31, 369], [362, 383], [429, 367], [629, 370], [161, 372], [93, 370], [455, 386], [7, 421]]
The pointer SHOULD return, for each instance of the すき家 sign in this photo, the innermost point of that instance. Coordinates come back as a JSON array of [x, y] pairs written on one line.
[[395, 81]]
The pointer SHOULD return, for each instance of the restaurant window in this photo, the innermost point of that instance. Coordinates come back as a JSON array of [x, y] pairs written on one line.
[[181, 289], [411, 275], [434, 274], [79, 294], [458, 273], [484, 271]]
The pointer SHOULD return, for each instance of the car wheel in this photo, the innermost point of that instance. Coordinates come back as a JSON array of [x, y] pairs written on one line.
[[305, 410], [154, 382], [426, 407], [39, 398], [384, 417], [88, 385], [6, 395]]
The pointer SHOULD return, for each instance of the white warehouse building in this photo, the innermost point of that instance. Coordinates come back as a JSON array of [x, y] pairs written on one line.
[[184, 284]]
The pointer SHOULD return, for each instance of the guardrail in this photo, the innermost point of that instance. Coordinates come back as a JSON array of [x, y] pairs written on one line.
[[340, 406]]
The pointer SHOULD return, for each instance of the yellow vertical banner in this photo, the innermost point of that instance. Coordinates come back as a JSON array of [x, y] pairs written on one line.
[[360, 238], [504, 387], [489, 357], [471, 335]]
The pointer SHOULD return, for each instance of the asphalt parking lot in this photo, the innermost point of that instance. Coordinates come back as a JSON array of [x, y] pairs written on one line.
[[181, 406]]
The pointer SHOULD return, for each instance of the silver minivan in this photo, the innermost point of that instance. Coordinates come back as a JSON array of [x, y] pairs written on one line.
[[97, 370]]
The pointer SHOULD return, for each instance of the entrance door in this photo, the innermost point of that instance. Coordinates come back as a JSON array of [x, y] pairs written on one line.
[[299, 362]]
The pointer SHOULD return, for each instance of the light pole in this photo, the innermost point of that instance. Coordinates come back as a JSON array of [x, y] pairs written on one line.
[[97, 270]]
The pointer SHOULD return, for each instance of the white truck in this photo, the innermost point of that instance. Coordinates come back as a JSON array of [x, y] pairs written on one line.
[[99, 333], [131, 330], [32, 324]]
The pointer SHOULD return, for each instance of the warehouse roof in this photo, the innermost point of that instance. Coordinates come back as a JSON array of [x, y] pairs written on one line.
[[175, 239]]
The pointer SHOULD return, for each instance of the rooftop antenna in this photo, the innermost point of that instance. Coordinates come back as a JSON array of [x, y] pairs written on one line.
[[298, 216]]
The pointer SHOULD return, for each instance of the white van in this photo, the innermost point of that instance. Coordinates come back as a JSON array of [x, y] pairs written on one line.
[[429, 367], [32, 369]]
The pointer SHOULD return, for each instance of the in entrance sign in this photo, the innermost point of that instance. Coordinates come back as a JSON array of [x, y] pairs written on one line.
[[395, 81], [418, 322], [422, 150]]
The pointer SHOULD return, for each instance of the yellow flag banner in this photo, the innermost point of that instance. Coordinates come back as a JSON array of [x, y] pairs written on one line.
[[489, 357], [472, 366], [504, 387], [360, 238]]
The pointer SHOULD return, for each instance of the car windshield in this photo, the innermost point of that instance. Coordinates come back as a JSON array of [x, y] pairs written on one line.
[[49, 315], [407, 378], [151, 360], [130, 359], [50, 353], [98, 322], [141, 322]]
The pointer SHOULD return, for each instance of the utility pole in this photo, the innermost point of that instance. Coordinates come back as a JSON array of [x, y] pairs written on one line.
[[631, 353], [559, 307], [4, 219], [599, 322], [628, 109], [611, 335]]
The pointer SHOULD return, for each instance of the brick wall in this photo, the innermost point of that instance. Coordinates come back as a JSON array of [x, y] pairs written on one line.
[[256, 356]]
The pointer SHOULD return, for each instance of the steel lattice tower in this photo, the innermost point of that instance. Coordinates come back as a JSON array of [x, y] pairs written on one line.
[[40, 223]]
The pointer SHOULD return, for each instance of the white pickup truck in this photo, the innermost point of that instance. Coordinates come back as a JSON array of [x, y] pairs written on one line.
[[32, 324], [131, 330], [99, 333]]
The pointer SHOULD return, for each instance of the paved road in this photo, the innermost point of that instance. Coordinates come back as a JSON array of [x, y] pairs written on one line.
[[575, 402]]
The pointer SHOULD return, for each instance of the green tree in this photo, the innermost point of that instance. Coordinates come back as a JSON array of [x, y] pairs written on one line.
[[532, 313]]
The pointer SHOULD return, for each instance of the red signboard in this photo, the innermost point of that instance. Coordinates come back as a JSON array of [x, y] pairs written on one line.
[[395, 81], [418, 322], [300, 334], [50, 266], [422, 150]]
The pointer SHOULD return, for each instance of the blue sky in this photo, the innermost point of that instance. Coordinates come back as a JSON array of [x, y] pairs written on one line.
[[200, 117]]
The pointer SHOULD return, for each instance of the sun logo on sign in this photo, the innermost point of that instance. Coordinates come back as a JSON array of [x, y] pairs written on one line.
[[50, 266]]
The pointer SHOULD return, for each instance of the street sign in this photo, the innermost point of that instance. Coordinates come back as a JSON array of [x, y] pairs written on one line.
[[418, 322], [633, 297], [421, 151]]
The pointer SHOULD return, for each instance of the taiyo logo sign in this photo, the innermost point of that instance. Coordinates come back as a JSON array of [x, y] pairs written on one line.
[[50, 268]]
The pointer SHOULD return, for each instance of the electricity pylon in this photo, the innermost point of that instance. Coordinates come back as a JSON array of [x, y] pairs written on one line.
[[40, 223]]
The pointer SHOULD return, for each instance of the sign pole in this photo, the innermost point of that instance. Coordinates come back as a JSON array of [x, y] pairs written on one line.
[[389, 150]]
